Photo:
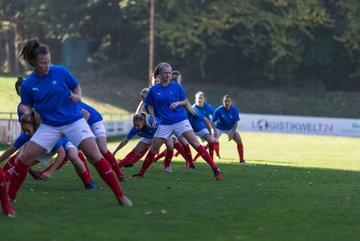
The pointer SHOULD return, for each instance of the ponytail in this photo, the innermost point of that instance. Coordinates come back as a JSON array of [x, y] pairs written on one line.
[[32, 49]]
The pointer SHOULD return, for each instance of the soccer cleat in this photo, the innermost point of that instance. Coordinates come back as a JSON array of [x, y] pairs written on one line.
[[187, 164], [217, 174], [91, 185], [242, 161], [123, 200], [218, 157], [128, 164], [9, 210], [122, 178], [167, 169], [35, 174], [192, 167], [137, 175]]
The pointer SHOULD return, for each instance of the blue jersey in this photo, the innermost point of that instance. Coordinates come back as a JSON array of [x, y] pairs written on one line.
[[161, 98], [95, 116], [225, 120], [22, 139], [49, 95], [146, 131], [196, 122], [207, 110]]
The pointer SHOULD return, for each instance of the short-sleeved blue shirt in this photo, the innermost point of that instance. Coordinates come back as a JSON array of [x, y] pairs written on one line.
[[23, 138], [196, 122], [161, 98], [49, 95], [95, 116], [207, 110], [146, 131], [225, 120]]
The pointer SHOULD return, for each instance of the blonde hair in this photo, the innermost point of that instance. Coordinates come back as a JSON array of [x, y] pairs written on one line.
[[141, 116]]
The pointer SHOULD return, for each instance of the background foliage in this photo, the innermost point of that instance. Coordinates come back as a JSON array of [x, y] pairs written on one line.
[[252, 43]]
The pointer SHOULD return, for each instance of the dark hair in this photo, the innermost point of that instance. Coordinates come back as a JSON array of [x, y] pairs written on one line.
[[18, 83], [226, 97], [176, 72], [157, 70], [32, 49], [29, 118]]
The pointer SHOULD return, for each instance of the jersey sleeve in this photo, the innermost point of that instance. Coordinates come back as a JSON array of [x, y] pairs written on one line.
[[25, 95], [215, 116], [21, 140], [182, 94], [70, 80], [58, 145], [236, 113], [149, 100], [131, 133]]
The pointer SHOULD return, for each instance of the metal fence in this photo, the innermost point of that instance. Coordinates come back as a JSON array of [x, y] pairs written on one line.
[[115, 124]]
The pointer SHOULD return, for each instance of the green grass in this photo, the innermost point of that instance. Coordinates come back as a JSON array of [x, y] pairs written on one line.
[[293, 187], [9, 101]]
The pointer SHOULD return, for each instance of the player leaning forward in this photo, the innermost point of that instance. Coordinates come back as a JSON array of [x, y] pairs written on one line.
[[54, 93], [166, 101]]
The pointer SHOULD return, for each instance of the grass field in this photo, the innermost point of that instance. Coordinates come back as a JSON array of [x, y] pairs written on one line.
[[293, 187], [9, 101]]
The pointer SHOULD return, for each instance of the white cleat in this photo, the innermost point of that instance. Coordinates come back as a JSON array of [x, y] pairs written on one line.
[[123, 200], [168, 169]]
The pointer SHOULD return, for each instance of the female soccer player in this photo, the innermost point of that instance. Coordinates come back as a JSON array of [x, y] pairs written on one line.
[[225, 120], [166, 101], [208, 111], [54, 93], [95, 121], [202, 128], [29, 126], [142, 127]]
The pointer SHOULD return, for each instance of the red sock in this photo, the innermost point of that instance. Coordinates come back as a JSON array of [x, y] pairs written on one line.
[[61, 165], [111, 159], [10, 163], [147, 162], [180, 150], [177, 153], [106, 173], [196, 157], [217, 148], [17, 178], [159, 156], [85, 177], [205, 155], [211, 149], [188, 154], [3, 190], [140, 155], [240, 149], [128, 159], [7, 175], [168, 158], [83, 159]]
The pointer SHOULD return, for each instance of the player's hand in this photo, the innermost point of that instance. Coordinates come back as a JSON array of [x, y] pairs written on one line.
[[174, 105], [45, 176], [75, 98], [154, 124]]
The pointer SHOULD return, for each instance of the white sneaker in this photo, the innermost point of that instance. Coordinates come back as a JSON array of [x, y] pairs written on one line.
[[123, 200], [168, 169]]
